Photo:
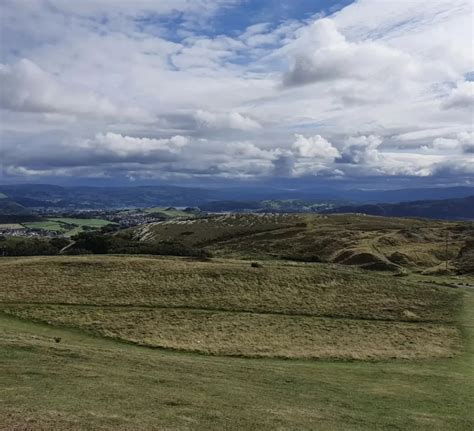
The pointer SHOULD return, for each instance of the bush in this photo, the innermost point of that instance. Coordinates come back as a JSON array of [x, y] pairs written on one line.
[[98, 243], [28, 247]]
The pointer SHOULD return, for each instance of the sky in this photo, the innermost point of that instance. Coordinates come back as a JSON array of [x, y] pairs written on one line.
[[375, 93]]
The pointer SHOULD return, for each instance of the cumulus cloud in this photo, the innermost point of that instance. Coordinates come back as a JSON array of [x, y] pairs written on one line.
[[25, 87], [361, 150], [461, 97], [226, 120], [322, 53], [314, 147], [120, 91]]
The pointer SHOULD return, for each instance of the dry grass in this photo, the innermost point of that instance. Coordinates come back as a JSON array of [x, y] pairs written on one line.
[[318, 290], [371, 242], [204, 230], [90, 379], [256, 335], [85, 382], [232, 308]]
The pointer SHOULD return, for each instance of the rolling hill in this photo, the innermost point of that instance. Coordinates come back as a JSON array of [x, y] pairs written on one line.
[[81, 197], [369, 242], [8, 207]]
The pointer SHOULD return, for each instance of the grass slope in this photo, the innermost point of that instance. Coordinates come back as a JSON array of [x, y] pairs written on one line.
[[303, 289], [85, 382], [255, 334]]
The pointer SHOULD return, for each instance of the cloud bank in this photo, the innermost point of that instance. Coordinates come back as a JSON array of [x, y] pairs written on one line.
[[146, 90]]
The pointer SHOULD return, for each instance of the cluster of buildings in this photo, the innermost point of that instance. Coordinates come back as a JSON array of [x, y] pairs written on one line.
[[132, 219], [22, 231]]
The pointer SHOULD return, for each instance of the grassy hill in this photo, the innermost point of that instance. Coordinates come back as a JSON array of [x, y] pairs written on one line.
[[116, 342], [366, 241], [9, 207]]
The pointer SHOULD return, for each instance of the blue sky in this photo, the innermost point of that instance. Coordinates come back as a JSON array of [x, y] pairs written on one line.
[[235, 20], [229, 91]]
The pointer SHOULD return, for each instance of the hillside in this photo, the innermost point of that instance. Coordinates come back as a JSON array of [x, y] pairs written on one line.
[[139, 343], [8, 207], [232, 308], [447, 209], [369, 242]]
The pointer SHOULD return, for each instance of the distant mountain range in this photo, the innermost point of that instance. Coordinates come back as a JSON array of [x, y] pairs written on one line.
[[39, 195], [453, 209], [20, 199]]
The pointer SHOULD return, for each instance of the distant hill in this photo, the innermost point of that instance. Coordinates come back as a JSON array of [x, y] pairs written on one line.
[[39, 195], [10, 207], [406, 195], [217, 199], [448, 209]]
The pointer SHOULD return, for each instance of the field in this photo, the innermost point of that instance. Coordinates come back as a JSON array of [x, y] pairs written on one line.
[[10, 226], [68, 226], [166, 213], [155, 343]]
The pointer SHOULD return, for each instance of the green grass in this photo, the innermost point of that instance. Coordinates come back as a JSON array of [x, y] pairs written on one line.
[[91, 222], [85, 382], [142, 341], [50, 225], [171, 213], [68, 226]]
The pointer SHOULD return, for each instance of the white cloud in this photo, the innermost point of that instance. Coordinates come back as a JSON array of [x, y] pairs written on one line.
[[125, 146], [25, 87], [383, 79], [461, 97], [322, 53], [361, 150], [226, 120], [314, 147], [463, 142]]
